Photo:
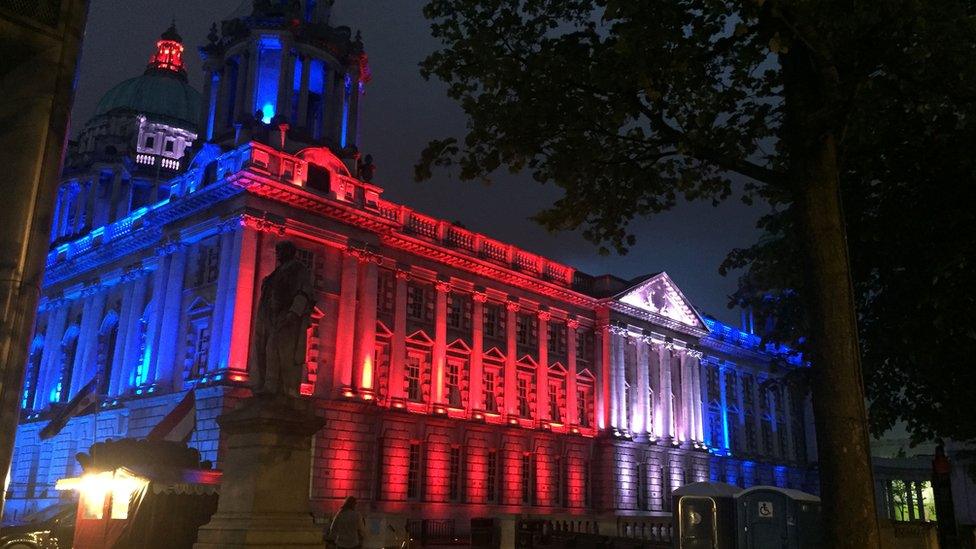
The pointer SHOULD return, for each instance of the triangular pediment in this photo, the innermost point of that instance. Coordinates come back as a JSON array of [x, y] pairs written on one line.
[[659, 295], [459, 345], [420, 337]]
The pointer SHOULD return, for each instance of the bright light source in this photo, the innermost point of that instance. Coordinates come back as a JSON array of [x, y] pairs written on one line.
[[268, 112]]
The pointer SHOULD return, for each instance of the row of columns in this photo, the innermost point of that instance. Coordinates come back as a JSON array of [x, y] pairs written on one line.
[[675, 414], [354, 371], [78, 206], [150, 310], [331, 109], [781, 413]]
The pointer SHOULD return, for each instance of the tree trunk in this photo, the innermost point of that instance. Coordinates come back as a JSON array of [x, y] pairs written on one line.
[[846, 479]]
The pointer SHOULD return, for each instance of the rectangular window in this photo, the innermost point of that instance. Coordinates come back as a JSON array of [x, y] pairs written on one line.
[[584, 346], [492, 476], [459, 312], [555, 413], [557, 339], [491, 404], [385, 293], [523, 398], [527, 331], [208, 265], [454, 476], [201, 350], [415, 302], [527, 479], [494, 321], [582, 408], [413, 378], [413, 472], [453, 383]]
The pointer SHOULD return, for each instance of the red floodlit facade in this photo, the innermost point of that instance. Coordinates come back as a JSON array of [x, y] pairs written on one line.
[[459, 376]]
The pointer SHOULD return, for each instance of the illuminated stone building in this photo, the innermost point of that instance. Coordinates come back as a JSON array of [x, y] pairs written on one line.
[[460, 376]]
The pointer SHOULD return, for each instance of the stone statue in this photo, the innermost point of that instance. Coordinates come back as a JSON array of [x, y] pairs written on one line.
[[284, 309]]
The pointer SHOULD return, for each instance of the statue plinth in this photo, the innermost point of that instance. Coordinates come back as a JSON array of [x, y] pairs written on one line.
[[264, 491]]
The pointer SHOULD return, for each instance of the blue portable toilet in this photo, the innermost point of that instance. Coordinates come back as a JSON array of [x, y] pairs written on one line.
[[704, 515], [768, 517]]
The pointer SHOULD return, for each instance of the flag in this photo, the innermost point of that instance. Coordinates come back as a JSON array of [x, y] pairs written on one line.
[[86, 398], [179, 423]]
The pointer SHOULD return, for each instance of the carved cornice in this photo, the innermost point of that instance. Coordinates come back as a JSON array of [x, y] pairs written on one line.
[[262, 224]]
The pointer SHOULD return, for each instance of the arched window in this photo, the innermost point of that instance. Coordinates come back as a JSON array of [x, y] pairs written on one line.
[[69, 346], [140, 375], [33, 372], [107, 335]]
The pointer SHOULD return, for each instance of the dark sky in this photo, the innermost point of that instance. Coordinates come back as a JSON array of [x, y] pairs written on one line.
[[401, 113]]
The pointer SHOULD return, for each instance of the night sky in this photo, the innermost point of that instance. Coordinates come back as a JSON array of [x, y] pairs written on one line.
[[401, 113]]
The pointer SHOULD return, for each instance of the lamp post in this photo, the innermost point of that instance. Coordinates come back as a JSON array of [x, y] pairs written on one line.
[[37, 79]]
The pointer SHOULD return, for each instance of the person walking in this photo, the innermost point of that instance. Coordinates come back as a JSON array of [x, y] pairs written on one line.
[[348, 528]]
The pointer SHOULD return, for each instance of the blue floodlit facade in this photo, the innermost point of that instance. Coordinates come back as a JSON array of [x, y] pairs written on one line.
[[454, 370]]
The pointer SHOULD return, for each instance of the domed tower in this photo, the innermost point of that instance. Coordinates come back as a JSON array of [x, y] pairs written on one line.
[[137, 139], [282, 62]]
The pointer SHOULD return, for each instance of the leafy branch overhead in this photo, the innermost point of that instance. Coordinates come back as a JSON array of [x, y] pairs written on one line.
[[628, 106]]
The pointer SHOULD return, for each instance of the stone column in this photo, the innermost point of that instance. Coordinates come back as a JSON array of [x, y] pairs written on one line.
[[160, 279], [399, 347], [252, 74], [223, 303], [476, 395], [698, 407], [113, 204], [363, 367], [511, 376], [112, 381], [133, 334], [571, 372], [542, 369], [667, 403], [51, 355], [438, 367], [618, 415], [303, 93], [352, 122], [242, 278], [222, 107], [204, 121], [243, 67], [741, 404], [84, 363], [642, 411], [603, 386], [723, 396], [787, 404], [286, 79], [166, 362], [757, 416], [345, 322], [614, 388]]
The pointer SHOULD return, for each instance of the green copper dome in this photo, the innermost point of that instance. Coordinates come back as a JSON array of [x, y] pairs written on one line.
[[158, 95]]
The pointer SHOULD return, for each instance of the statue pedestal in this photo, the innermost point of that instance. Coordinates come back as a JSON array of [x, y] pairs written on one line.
[[264, 492]]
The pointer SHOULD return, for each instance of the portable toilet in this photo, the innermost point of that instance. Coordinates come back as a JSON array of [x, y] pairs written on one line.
[[705, 513], [769, 517]]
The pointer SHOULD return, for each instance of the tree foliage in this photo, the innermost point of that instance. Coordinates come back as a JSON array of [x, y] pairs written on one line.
[[908, 185], [628, 106]]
